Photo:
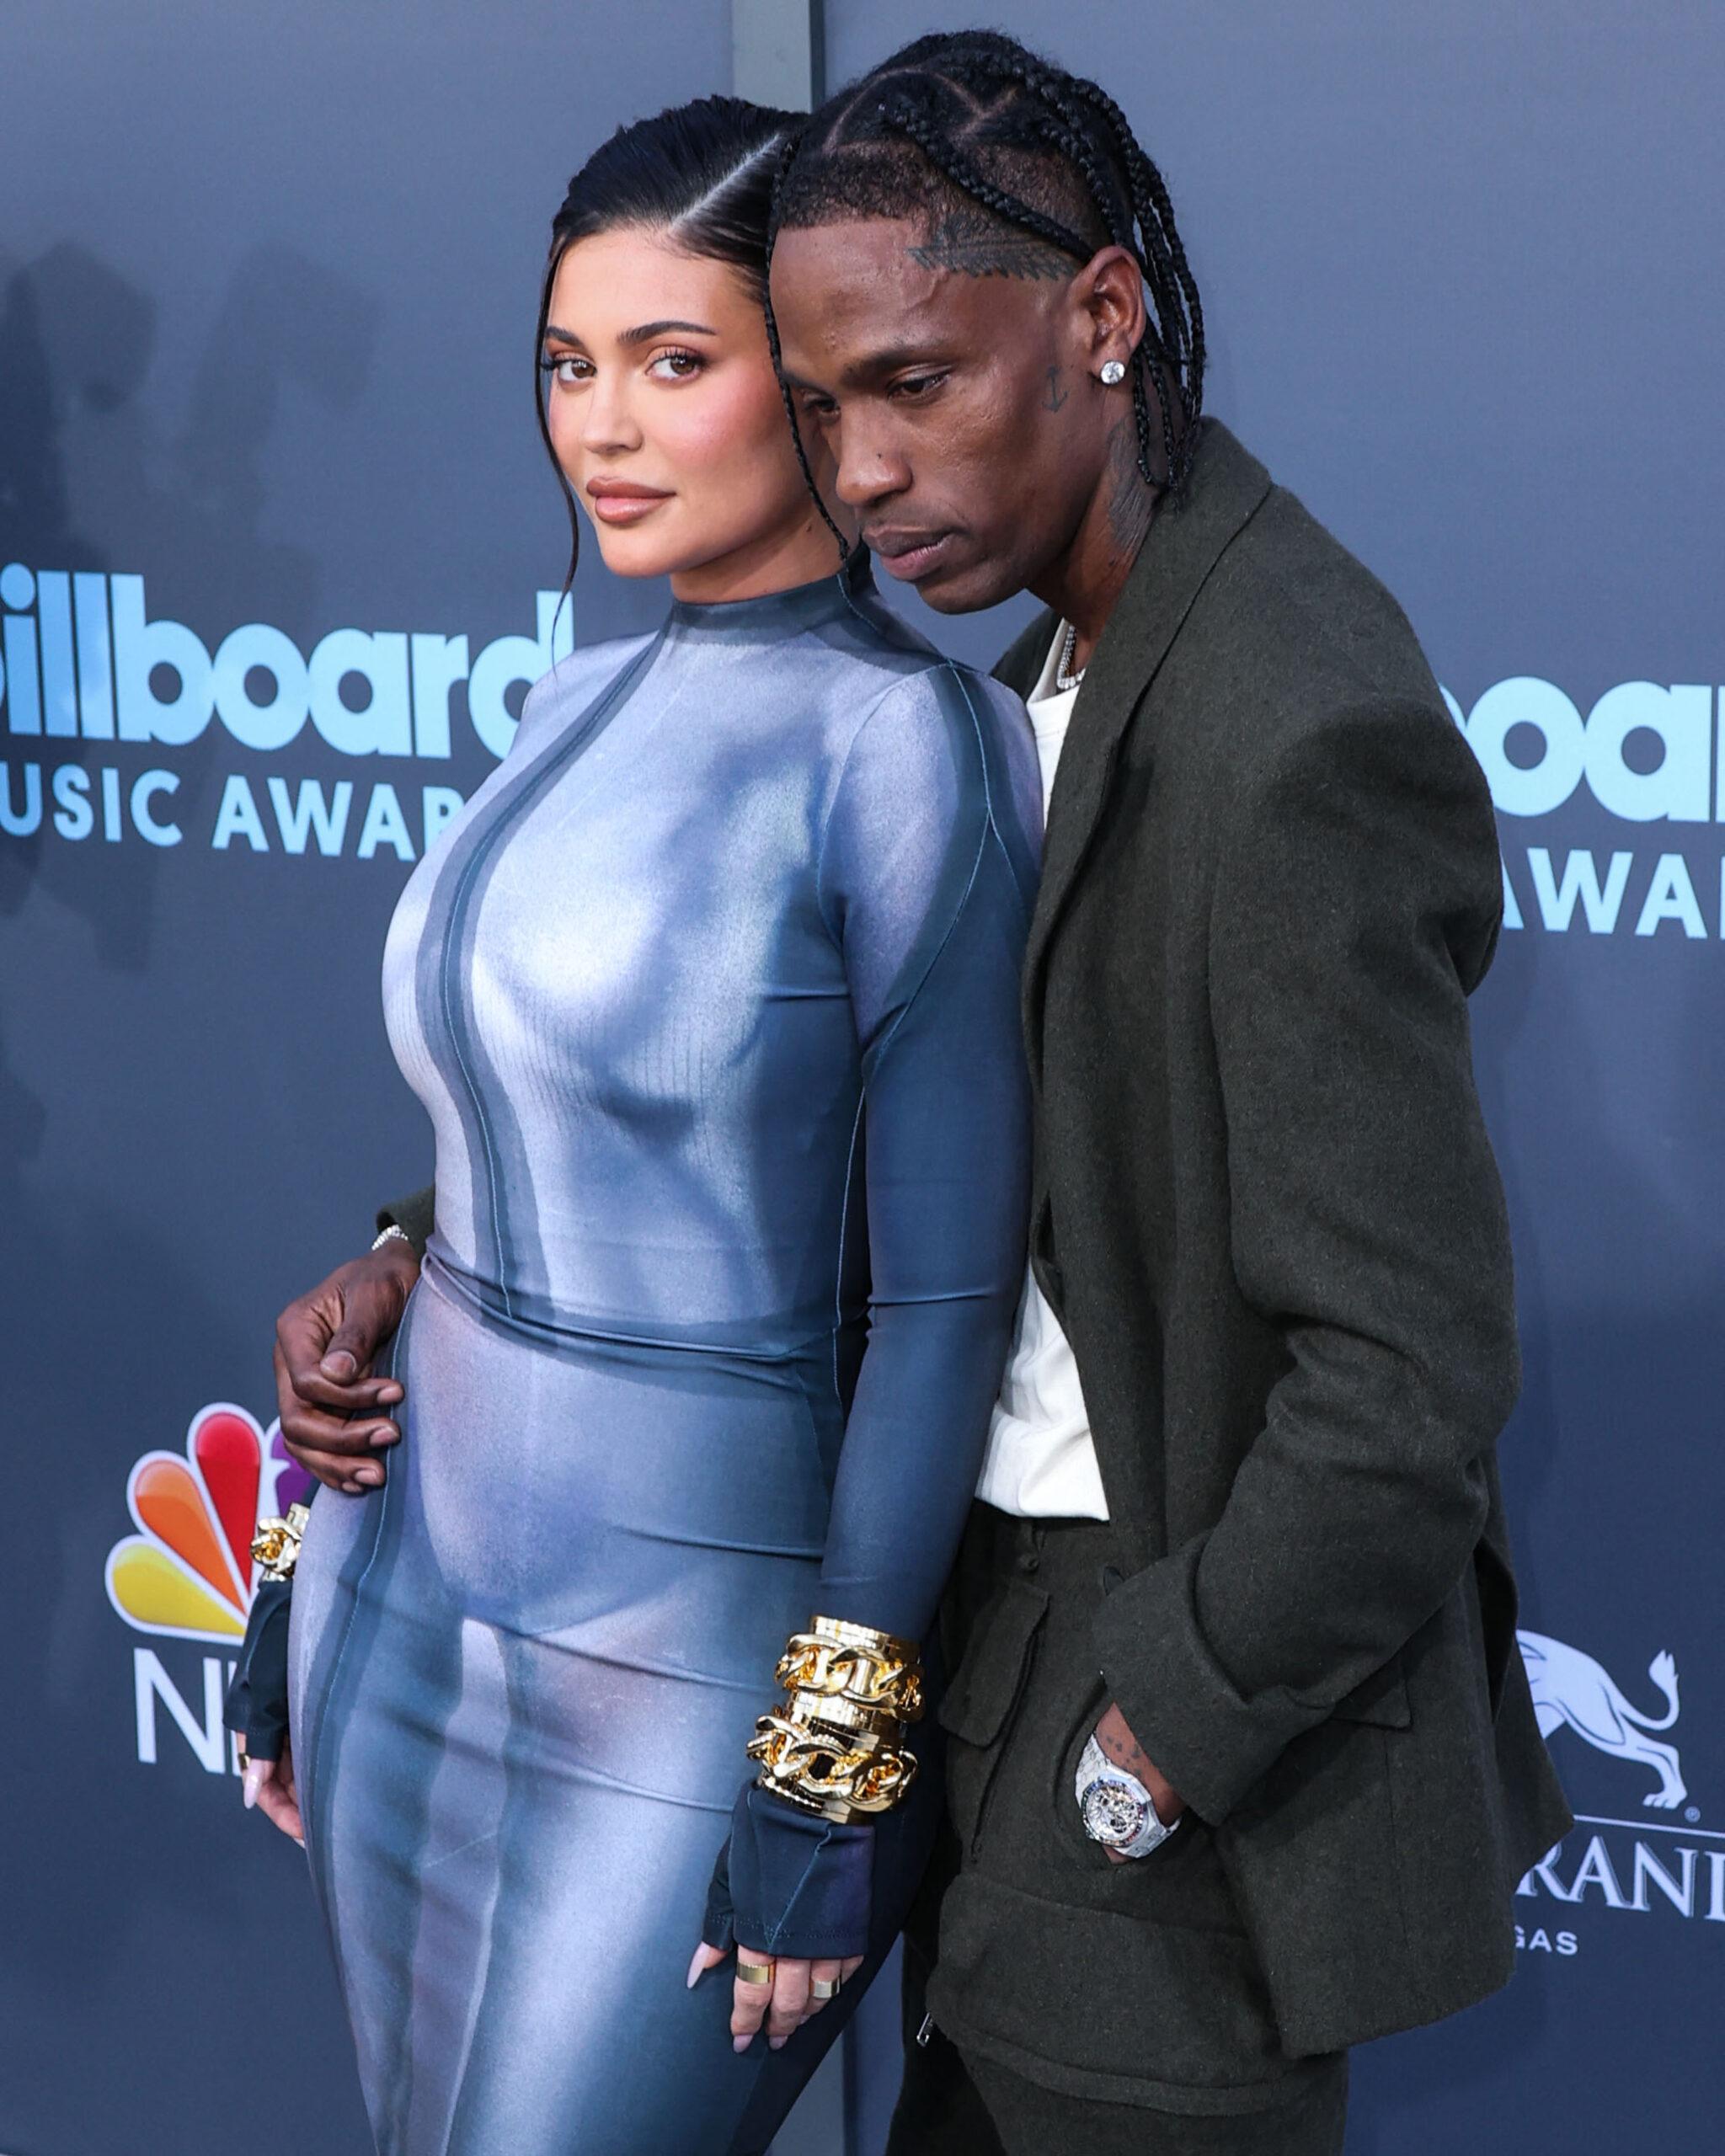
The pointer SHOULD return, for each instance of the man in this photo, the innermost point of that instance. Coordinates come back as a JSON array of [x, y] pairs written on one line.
[[1243, 1769]]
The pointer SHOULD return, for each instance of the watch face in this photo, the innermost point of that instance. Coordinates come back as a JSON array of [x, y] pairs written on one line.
[[1112, 1814]]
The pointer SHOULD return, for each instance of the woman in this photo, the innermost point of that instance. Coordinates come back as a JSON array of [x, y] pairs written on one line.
[[711, 996]]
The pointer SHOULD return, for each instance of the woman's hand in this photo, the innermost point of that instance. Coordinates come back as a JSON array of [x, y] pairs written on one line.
[[785, 2004], [334, 1414], [270, 1784]]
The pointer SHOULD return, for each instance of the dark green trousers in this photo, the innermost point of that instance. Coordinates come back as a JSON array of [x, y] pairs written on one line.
[[1064, 2002]]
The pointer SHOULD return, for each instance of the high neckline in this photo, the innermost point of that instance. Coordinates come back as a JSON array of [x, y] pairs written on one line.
[[774, 613]]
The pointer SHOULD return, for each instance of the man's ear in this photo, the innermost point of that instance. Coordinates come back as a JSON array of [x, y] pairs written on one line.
[[1109, 292]]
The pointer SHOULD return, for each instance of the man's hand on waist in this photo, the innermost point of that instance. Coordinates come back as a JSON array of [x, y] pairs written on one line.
[[334, 1413]]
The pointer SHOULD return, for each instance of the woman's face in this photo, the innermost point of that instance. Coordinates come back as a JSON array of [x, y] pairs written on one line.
[[666, 418]]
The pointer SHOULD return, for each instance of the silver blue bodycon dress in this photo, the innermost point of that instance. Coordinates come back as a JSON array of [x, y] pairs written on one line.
[[711, 993]]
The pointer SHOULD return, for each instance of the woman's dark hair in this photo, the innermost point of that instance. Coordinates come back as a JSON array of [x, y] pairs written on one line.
[[701, 173], [972, 121]]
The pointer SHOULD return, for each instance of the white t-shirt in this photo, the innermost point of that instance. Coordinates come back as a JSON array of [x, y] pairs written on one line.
[[1040, 1463]]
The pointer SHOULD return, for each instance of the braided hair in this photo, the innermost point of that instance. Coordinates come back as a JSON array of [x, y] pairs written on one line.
[[974, 122]]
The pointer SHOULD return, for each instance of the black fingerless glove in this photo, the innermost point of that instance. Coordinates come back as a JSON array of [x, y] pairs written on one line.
[[257, 1699], [790, 1883]]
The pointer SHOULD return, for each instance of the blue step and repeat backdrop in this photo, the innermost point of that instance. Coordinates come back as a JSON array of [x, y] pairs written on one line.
[[277, 558]]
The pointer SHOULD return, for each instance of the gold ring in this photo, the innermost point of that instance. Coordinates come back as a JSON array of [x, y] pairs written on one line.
[[819, 1987], [754, 1972]]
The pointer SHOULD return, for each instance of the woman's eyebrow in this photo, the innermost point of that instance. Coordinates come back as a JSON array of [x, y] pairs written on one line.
[[629, 338], [651, 329]]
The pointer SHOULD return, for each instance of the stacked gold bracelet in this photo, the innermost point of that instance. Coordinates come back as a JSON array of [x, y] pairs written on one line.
[[275, 1546], [837, 1748]]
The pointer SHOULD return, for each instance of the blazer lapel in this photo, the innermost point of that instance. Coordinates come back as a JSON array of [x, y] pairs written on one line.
[[1184, 544]]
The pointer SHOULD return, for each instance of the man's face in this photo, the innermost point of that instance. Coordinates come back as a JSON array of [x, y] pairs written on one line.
[[947, 369]]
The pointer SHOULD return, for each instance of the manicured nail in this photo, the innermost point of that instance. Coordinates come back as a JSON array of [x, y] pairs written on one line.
[[257, 1772], [777, 2043], [741, 2043], [695, 1966]]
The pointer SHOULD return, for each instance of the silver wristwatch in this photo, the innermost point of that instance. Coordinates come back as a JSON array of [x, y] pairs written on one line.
[[1117, 1809]]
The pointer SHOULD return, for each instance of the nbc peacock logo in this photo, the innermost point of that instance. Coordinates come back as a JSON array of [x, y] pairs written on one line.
[[187, 1574]]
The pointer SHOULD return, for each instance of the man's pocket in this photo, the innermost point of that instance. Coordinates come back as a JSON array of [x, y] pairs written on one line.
[[984, 1701]]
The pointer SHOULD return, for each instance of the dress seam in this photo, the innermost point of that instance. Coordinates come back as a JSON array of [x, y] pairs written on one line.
[[485, 852]]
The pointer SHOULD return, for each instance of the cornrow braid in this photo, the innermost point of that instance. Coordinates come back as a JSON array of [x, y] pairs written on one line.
[[1062, 94], [787, 154], [1082, 153], [1150, 188], [900, 112], [975, 114]]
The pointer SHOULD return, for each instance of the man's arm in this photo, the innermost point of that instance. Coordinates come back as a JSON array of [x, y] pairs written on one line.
[[1357, 903], [335, 1414], [416, 1216]]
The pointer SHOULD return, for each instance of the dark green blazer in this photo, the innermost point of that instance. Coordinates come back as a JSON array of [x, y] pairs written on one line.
[[1267, 1212]]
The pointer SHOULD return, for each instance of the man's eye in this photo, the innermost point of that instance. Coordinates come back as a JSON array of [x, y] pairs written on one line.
[[917, 385]]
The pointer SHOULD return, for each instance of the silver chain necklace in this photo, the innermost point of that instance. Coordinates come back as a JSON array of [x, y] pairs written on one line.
[[1065, 679]]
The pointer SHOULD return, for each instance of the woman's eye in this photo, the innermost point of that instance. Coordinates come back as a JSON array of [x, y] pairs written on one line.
[[676, 366], [566, 368]]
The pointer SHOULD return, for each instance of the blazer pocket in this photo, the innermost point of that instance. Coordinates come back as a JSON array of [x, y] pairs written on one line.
[[979, 1706], [1381, 1700]]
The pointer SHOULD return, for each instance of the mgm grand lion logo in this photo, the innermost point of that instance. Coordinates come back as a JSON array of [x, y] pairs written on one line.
[[1571, 1687]]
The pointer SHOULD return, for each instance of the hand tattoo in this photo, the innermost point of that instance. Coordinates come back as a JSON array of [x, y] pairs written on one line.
[[1115, 1737]]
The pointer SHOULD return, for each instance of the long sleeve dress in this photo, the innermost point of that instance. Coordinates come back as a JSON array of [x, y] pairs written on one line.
[[711, 994]]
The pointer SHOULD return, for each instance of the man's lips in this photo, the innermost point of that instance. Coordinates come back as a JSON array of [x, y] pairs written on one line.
[[621, 501], [910, 556]]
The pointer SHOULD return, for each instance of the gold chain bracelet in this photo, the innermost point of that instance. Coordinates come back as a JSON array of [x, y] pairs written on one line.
[[820, 1773], [836, 1749], [849, 1661], [865, 1726]]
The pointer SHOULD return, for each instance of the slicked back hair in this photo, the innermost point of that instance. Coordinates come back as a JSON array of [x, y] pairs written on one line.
[[1016, 168], [701, 175]]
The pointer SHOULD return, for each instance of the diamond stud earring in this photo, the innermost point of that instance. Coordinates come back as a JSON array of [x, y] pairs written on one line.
[[1113, 371]]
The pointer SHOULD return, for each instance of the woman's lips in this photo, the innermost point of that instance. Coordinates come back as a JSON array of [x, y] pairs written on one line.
[[625, 508]]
